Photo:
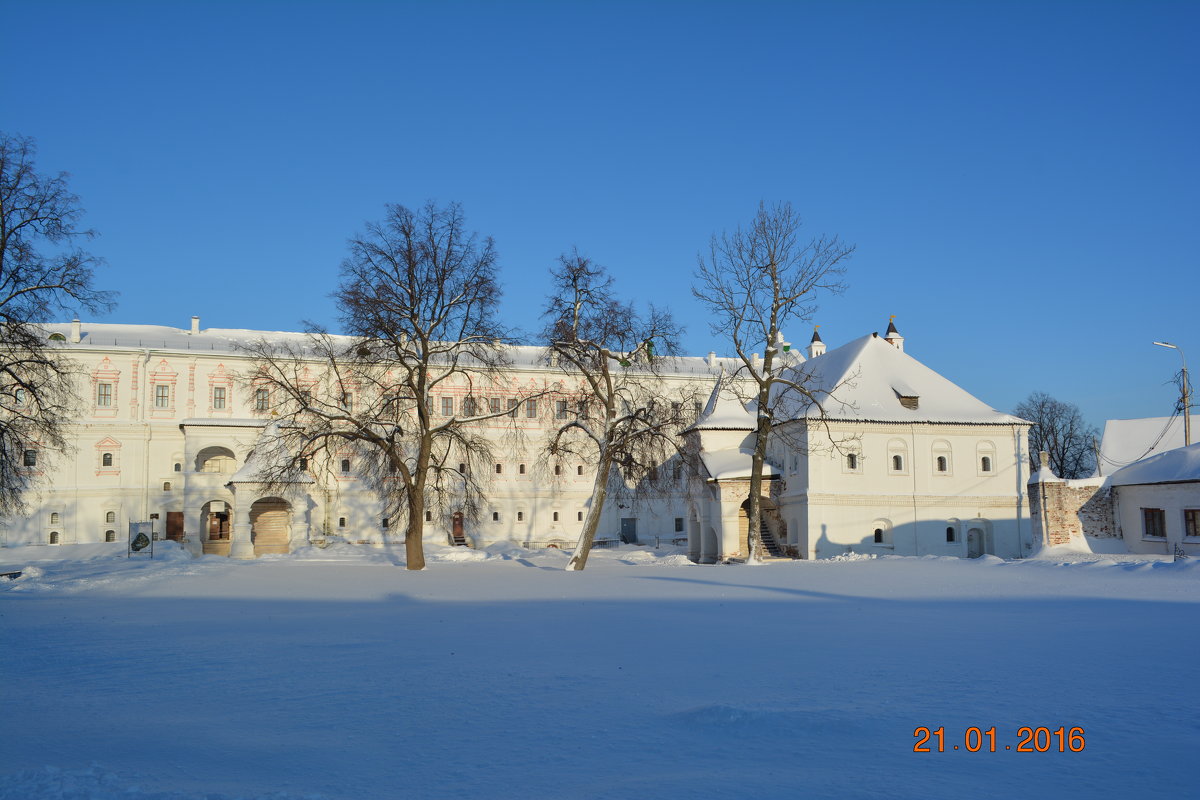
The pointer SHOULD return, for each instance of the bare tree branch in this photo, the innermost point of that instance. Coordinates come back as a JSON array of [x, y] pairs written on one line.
[[42, 271]]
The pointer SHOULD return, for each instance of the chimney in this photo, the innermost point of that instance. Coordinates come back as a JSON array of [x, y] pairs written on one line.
[[195, 325], [712, 358], [76, 332], [893, 336], [816, 347]]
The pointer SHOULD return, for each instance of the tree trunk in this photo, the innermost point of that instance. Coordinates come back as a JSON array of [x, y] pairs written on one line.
[[592, 521], [757, 461], [414, 544]]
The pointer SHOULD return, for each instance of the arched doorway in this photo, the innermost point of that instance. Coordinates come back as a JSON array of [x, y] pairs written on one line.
[[215, 521], [270, 525], [979, 542], [767, 531]]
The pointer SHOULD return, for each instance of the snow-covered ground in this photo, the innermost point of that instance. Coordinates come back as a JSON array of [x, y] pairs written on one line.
[[338, 674]]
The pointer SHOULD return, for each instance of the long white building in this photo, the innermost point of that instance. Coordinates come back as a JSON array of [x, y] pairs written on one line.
[[904, 462]]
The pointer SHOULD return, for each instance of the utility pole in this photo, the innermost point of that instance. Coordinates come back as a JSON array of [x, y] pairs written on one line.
[[1186, 392]]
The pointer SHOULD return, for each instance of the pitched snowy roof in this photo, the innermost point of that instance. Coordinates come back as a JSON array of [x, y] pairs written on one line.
[[1174, 466], [728, 464], [724, 411], [865, 380], [268, 452], [1126, 441]]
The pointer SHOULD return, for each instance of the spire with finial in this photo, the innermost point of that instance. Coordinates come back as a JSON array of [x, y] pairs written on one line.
[[816, 347], [893, 336]]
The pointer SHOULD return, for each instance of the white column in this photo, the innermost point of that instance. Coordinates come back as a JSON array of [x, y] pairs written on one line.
[[240, 545]]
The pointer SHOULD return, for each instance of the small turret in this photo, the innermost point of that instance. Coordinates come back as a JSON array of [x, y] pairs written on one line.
[[893, 336], [816, 347]]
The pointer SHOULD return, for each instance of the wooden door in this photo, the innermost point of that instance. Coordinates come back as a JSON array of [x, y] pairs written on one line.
[[269, 526], [175, 526]]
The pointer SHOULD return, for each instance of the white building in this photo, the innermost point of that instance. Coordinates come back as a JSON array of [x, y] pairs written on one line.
[[903, 461], [897, 459]]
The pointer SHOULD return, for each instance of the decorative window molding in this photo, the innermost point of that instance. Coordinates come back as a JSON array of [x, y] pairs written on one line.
[[162, 390], [897, 457], [985, 458], [111, 448], [220, 392], [106, 384]]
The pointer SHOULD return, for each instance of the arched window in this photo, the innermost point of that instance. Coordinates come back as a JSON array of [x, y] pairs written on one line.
[[178, 467], [951, 533], [499, 469], [985, 464], [986, 455], [54, 518], [341, 522], [53, 537], [110, 516], [579, 470], [881, 533], [897, 463], [429, 516], [558, 469], [345, 465], [579, 516], [520, 516], [941, 464], [57, 337], [897, 457], [521, 469], [106, 460], [110, 536], [166, 486], [495, 516], [556, 516], [852, 461]]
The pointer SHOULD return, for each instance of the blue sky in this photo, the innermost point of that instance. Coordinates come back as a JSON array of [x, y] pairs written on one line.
[[1020, 179]]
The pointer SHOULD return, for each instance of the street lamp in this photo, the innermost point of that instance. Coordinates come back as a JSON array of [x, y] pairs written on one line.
[[1187, 394]]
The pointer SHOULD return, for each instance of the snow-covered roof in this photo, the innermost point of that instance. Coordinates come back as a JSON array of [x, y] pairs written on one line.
[[865, 380], [1174, 466], [268, 452], [729, 464], [102, 335], [1127, 441], [723, 411]]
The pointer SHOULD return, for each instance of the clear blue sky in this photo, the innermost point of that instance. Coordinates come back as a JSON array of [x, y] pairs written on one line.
[[1020, 179]]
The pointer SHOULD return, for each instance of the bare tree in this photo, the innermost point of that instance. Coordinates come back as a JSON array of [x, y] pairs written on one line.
[[42, 271], [1058, 429], [619, 412], [418, 296], [755, 281]]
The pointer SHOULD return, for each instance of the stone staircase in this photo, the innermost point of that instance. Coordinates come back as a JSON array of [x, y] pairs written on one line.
[[770, 546]]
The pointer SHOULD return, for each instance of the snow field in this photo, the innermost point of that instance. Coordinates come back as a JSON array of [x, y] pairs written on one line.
[[337, 674]]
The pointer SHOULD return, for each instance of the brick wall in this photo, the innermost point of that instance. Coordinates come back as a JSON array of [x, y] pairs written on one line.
[[1073, 508]]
